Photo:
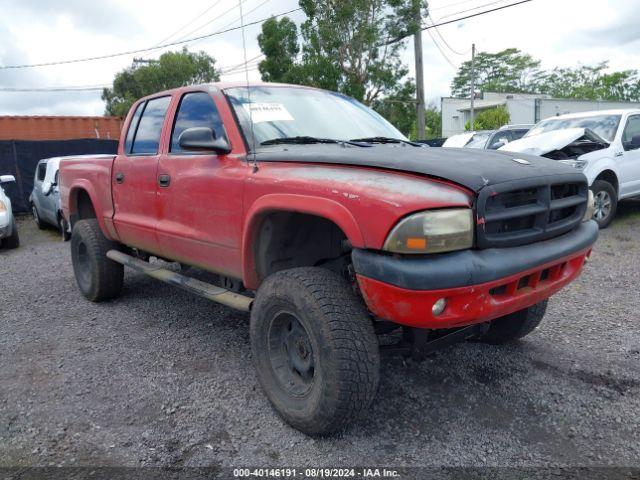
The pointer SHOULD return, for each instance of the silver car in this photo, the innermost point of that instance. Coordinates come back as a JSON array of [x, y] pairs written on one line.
[[8, 230], [45, 196]]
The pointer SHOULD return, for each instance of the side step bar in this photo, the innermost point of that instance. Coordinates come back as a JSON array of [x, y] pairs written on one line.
[[203, 289]]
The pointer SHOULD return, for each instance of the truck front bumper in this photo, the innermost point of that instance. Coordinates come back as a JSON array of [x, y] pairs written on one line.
[[477, 285]]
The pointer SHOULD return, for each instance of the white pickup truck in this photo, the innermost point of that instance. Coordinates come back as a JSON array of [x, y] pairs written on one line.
[[604, 145]]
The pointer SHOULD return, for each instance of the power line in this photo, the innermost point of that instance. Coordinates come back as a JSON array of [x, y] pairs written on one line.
[[445, 41], [196, 18], [55, 89], [191, 32], [471, 9], [439, 24], [444, 55], [140, 50]]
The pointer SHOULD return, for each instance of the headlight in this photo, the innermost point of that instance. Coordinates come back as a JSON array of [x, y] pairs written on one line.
[[579, 164], [432, 232], [3, 207], [591, 207]]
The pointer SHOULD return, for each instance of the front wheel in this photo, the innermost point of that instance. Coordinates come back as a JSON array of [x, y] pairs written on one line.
[[606, 202], [314, 349], [516, 325], [98, 278]]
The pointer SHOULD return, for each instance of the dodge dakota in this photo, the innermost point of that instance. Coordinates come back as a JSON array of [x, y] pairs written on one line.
[[330, 227]]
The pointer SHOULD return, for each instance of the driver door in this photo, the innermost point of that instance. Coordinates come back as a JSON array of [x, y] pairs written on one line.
[[628, 162]]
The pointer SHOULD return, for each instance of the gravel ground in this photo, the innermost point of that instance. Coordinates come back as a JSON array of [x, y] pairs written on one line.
[[162, 378]]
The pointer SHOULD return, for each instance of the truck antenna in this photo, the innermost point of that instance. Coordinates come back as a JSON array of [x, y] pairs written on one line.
[[246, 75]]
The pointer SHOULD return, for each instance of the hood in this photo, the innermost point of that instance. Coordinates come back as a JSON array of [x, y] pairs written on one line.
[[458, 141], [473, 169], [578, 141]]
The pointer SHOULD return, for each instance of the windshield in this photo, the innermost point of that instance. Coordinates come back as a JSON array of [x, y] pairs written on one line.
[[604, 125], [286, 112], [479, 140]]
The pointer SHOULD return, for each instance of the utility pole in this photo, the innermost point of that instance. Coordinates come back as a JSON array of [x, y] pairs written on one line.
[[473, 86], [417, 44]]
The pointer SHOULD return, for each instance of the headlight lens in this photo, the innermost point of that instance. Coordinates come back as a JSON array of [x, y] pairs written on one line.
[[432, 232], [579, 164], [591, 207]]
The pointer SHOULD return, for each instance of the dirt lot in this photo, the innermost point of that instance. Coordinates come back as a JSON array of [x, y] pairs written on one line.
[[159, 377]]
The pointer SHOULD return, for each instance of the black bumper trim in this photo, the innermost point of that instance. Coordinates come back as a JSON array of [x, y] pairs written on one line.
[[469, 267]]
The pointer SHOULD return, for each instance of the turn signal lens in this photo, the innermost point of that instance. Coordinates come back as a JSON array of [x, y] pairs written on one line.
[[3, 207], [432, 231]]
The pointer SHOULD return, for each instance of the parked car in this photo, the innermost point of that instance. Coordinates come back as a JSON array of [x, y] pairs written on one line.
[[327, 225], [604, 145], [487, 139], [45, 197], [9, 237]]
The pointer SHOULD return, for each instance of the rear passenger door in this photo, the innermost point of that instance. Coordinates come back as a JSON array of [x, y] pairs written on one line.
[[133, 181]]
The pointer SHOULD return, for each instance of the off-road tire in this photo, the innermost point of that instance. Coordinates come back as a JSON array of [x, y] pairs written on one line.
[[516, 325], [98, 278], [604, 186], [344, 349], [36, 217], [12, 241]]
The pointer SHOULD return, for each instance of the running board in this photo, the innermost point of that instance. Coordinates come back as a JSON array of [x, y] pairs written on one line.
[[203, 289]]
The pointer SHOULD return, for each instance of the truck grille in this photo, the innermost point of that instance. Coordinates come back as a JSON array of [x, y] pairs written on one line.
[[525, 212]]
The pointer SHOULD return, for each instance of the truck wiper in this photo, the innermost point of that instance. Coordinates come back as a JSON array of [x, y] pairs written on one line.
[[306, 140], [385, 140]]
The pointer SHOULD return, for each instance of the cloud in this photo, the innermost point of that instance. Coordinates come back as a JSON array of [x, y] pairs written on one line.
[[102, 16]]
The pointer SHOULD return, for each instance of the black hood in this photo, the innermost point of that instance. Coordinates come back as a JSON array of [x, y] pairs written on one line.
[[470, 168]]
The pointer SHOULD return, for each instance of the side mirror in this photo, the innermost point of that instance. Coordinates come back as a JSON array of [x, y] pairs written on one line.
[[203, 138], [500, 143], [7, 178], [632, 144], [46, 188]]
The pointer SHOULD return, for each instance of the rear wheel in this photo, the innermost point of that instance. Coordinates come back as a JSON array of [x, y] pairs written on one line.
[[36, 217], [63, 226], [314, 348], [14, 240], [606, 202], [516, 325], [98, 278]]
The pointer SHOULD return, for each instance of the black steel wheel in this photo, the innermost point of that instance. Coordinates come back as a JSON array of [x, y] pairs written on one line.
[[314, 349], [98, 278]]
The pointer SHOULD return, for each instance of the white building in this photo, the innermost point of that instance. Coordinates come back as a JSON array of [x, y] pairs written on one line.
[[523, 108]]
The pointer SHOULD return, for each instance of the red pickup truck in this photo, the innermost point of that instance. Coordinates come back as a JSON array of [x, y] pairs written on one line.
[[330, 227]]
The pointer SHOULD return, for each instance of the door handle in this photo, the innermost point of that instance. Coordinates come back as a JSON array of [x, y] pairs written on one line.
[[164, 180], [119, 177]]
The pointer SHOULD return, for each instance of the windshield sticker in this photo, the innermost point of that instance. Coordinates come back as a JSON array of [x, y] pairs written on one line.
[[267, 112]]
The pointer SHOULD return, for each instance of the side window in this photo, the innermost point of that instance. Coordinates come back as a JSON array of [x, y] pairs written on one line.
[[132, 127], [147, 136], [42, 171], [196, 109], [631, 134]]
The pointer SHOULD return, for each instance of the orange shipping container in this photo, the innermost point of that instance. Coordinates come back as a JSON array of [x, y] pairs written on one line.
[[59, 128]]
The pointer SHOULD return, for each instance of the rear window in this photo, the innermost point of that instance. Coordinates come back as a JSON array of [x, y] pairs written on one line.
[[147, 136], [132, 127]]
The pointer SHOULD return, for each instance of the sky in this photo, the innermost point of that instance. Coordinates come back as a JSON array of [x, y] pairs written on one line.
[[558, 32]]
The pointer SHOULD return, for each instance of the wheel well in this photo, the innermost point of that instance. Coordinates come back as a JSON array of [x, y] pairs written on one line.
[[82, 206], [609, 176], [289, 239]]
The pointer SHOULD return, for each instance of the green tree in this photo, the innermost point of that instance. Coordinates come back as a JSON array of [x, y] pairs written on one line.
[[490, 119], [348, 47], [590, 82], [279, 43], [171, 70], [507, 71]]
